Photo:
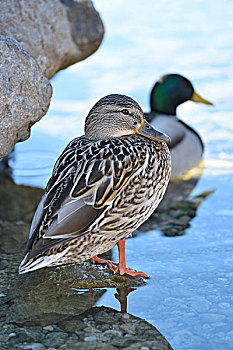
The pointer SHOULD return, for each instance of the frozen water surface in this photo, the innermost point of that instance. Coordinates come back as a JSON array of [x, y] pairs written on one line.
[[188, 297]]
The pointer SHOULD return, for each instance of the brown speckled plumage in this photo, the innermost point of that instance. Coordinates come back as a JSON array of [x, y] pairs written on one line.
[[100, 191]]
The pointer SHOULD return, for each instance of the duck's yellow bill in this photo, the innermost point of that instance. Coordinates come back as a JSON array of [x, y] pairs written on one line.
[[198, 98]]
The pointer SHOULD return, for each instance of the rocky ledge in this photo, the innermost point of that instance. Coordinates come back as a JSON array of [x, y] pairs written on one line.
[[95, 329]]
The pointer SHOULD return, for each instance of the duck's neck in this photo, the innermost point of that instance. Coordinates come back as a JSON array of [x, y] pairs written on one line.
[[162, 102], [162, 106]]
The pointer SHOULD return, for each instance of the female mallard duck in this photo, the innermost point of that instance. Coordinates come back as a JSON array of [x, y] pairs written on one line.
[[103, 186], [186, 146]]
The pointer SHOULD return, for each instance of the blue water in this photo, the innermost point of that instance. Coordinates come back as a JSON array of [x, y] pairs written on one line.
[[189, 296]]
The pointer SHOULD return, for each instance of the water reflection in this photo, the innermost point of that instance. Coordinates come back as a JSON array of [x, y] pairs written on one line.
[[51, 294], [111, 330], [122, 295], [32, 163], [68, 320]]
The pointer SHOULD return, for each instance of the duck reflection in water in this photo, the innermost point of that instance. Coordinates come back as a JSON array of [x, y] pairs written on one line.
[[122, 296], [110, 329], [68, 319]]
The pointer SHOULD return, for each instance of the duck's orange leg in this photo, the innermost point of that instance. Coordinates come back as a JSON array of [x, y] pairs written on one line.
[[121, 266]]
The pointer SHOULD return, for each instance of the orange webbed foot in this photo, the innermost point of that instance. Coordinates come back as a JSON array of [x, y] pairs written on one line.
[[128, 271], [120, 267], [96, 260]]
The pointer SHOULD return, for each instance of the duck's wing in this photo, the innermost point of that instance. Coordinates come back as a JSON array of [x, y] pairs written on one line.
[[86, 178]]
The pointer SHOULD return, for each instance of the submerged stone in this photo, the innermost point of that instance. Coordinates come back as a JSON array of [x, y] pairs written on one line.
[[55, 339], [88, 331], [33, 346], [122, 332]]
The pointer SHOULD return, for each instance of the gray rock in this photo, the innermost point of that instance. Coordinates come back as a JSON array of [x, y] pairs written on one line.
[[48, 328], [24, 94], [72, 326], [45, 308], [30, 334], [73, 339], [18, 202], [12, 335], [91, 330], [56, 33], [117, 336], [55, 339], [33, 346], [96, 345], [49, 36]]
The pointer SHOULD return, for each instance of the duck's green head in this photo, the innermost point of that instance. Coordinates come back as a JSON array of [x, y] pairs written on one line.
[[170, 91]]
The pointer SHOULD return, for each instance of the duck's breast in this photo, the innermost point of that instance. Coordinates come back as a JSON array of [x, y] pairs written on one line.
[[186, 147]]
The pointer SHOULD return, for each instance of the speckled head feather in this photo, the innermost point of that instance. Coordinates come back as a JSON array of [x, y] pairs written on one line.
[[113, 116]]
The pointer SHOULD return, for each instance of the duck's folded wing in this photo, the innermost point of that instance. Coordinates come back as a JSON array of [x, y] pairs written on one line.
[[77, 194]]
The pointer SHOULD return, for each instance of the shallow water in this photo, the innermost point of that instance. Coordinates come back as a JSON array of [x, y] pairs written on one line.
[[188, 297]]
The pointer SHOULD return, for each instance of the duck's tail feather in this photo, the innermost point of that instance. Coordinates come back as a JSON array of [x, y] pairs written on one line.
[[39, 262]]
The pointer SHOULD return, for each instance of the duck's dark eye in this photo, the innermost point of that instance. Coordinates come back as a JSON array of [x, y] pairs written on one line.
[[135, 123], [125, 111]]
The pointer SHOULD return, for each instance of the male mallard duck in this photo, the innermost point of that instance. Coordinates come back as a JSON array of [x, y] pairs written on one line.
[[186, 146], [103, 186]]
